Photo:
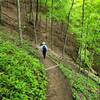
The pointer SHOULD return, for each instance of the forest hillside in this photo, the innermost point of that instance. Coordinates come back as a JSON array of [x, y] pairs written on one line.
[[70, 29]]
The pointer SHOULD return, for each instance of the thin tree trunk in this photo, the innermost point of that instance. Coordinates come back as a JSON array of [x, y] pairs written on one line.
[[37, 10], [61, 25], [31, 11], [36, 20], [33, 7], [46, 23], [46, 16], [82, 31], [51, 23], [25, 8], [0, 11], [68, 19], [40, 12], [19, 21], [83, 17], [80, 57]]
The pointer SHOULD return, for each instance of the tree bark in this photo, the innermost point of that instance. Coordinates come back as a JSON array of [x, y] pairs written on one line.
[[82, 32], [68, 21], [40, 14], [0, 12], [37, 10], [36, 20], [19, 21], [51, 23], [25, 8], [31, 11], [46, 16]]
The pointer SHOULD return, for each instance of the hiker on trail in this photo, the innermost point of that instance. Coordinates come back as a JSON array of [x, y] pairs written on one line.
[[44, 49]]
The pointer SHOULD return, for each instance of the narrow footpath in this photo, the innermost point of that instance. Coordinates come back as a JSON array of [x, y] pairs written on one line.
[[58, 88]]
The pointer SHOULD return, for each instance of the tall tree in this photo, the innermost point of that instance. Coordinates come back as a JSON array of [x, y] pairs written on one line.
[[46, 16], [36, 20], [51, 23], [37, 10], [0, 10], [31, 11], [19, 21], [68, 21], [40, 12], [82, 32]]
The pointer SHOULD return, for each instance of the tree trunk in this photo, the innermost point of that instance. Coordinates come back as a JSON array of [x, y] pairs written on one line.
[[51, 23], [36, 20], [25, 8], [0, 11], [40, 13], [82, 32], [37, 10], [68, 21], [61, 26], [31, 11], [19, 21], [46, 17]]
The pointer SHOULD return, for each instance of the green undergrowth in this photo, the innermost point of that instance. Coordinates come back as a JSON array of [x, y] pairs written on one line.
[[83, 88], [22, 76]]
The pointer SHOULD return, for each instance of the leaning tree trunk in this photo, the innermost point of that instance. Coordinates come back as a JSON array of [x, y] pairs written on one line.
[[19, 21], [68, 21]]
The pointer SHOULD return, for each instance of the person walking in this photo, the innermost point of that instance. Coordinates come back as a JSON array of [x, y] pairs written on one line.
[[44, 49]]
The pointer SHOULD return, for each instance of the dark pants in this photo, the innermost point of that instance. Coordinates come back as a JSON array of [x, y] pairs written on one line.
[[44, 54]]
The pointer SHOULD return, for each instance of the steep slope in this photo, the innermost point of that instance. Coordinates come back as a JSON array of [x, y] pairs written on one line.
[[22, 75]]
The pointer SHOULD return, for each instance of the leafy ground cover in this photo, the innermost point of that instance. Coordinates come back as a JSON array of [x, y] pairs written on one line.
[[22, 76], [83, 88]]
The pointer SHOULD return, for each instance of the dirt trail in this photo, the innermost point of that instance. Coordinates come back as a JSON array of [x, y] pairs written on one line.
[[58, 89]]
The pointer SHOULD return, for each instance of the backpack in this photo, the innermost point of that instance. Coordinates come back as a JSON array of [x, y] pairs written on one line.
[[44, 49]]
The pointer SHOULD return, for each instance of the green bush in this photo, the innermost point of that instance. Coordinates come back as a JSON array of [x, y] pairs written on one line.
[[22, 77]]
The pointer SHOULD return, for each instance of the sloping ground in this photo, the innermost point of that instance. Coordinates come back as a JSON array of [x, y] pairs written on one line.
[[58, 88], [22, 76], [56, 78]]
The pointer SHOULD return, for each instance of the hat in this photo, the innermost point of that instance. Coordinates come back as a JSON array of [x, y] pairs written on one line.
[[43, 43]]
